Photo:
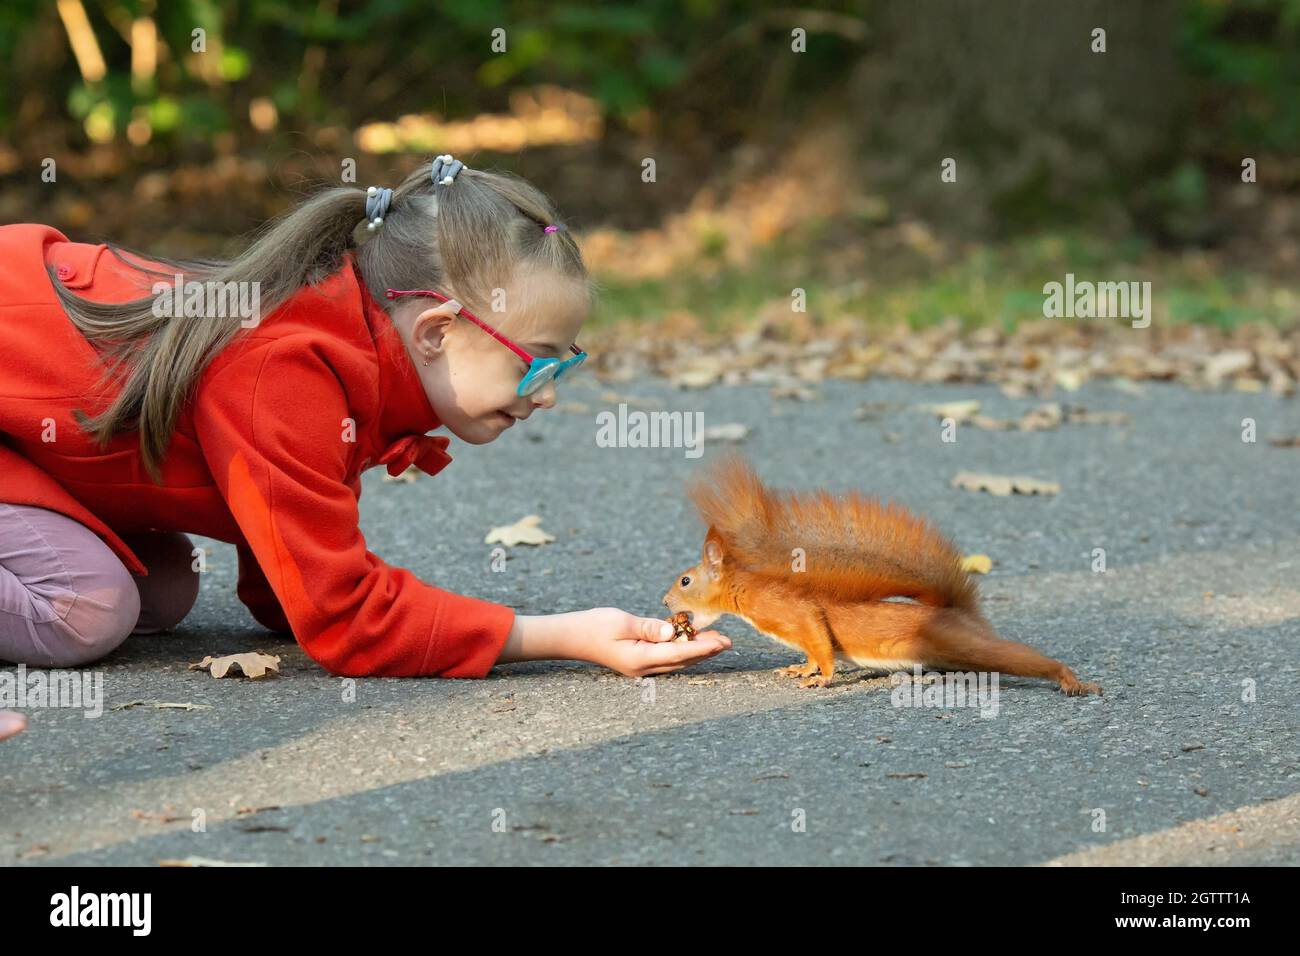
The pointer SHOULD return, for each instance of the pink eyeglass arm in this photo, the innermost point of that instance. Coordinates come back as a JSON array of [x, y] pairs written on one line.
[[394, 294]]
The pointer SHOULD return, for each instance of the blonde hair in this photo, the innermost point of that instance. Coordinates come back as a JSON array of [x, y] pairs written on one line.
[[465, 238]]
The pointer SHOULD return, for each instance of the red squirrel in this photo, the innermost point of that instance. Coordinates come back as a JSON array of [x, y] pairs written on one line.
[[813, 572]]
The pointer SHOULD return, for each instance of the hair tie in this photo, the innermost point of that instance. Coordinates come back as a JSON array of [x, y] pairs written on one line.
[[554, 227], [444, 169], [377, 200]]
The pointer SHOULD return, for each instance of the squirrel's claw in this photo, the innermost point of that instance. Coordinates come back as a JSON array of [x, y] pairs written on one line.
[[1080, 689], [820, 680], [797, 670]]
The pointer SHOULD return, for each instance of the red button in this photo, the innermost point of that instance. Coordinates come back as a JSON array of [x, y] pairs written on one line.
[[65, 273]]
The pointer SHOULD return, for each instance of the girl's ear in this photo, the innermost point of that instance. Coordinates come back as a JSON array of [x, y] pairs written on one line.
[[430, 326]]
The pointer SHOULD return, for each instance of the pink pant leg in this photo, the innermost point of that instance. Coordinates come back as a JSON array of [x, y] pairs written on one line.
[[66, 599]]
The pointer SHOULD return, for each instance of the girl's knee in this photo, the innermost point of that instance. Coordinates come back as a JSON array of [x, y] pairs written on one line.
[[92, 623]]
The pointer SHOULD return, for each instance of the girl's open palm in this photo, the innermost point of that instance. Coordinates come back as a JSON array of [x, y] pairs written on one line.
[[638, 647]]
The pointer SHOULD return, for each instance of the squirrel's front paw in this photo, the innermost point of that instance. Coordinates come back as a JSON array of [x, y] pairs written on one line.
[[820, 680], [797, 670]]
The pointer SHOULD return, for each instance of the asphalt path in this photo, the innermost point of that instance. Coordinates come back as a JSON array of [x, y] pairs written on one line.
[[1192, 629]]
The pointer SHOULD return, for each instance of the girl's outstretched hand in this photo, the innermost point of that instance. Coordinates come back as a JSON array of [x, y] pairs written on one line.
[[632, 645], [11, 723], [643, 646]]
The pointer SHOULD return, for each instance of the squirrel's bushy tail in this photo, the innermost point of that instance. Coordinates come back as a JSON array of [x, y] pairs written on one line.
[[846, 548]]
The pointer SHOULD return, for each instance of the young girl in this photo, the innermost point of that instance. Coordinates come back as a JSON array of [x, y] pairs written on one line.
[[137, 404]]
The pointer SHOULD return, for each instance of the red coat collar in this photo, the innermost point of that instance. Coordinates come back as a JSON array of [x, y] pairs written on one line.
[[405, 413]]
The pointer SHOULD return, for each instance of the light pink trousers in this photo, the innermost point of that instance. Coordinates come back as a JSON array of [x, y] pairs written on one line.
[[66, 599]]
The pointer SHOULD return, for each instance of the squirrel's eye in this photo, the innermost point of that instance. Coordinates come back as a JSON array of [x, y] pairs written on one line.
[[686, 581]]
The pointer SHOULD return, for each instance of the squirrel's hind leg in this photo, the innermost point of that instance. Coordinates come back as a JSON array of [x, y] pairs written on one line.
[[810, 633], [819, 643], [961, 640]]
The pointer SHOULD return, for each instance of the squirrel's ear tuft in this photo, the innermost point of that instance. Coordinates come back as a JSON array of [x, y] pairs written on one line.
[[713, 548]]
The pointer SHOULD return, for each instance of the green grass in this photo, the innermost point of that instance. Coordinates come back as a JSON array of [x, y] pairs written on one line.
[[999, 285]]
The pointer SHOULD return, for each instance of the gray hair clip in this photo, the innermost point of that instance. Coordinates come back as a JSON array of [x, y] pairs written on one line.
[[377, 200], [445, 169]]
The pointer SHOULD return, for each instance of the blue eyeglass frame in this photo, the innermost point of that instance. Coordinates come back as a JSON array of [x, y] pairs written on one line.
[[540, 370]]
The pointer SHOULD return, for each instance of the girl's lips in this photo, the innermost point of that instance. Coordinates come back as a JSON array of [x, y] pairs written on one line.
[[509, 419]]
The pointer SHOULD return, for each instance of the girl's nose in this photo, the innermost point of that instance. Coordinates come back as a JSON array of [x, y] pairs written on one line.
[[544, 397]]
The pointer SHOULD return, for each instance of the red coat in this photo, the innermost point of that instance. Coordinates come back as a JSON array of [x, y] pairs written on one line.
[[261, 458]]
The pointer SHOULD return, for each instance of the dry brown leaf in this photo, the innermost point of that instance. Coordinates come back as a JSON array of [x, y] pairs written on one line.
[[701, 372], [159, 705], [1004, 485], [255, 665], [1043, 417], [992, 424], [203, 861], [957, 411], [732, 432], [524, 531], [1077, 414], [156, 817], [632, 401], [798, 392]]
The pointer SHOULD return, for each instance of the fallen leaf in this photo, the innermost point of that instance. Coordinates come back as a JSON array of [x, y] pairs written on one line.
[[702, 372], [1041, 418], [1003, 485], [799, 392], [977, 564], [732, 432], [957, 411], [203, 861], [155, 817], [160, 705], [614, 398], [523, 531], [873, 410], [1077, 414], [254, 665]]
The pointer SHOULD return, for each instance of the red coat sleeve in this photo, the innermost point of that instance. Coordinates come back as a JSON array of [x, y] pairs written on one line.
[[255, 592], [271, 425]]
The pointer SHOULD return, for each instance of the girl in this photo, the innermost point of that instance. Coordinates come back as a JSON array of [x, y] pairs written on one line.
[[144, 398]]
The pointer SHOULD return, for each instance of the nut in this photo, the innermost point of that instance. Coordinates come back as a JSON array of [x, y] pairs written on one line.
[[682, 629]]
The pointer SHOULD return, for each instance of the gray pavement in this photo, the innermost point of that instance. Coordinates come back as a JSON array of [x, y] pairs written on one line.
[[567, 763]]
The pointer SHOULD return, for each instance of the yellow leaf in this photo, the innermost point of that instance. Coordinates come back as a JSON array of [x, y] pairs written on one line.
[[523, 531]]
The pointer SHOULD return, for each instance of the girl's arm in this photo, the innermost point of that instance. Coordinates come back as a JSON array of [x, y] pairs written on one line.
[[634, 646], [276, 430]]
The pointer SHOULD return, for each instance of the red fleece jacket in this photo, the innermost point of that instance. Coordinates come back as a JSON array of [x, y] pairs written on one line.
[[267, 454]]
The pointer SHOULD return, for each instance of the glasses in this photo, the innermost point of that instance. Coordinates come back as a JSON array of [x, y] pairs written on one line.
[[540, 370]]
